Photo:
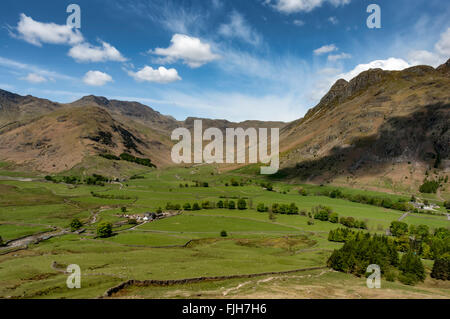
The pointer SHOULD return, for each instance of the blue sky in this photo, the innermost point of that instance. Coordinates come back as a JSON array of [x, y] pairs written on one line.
[[233, 59]]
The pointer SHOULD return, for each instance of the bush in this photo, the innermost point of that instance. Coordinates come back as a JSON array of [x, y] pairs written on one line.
[[206, 204], [412, 269], [447, 205], [196, 206], [132, 221], [1, 241], [234, 182], [441, 268], [391, 274], [220, 204], [262, 208], [275, 208], [104, 230], [242, 204], [223, 233], [347, 221], [231, 204], [336, 193], [75, 224], [334, 218], [429, 187], [322, 212], [310, 222], [398, 229], [293, 209], [187, 206], [123, 209], [407, 279]]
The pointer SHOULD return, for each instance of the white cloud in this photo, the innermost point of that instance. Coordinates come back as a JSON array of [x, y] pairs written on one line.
[[192, 51], [237, 27], [34, 78], [443, 45], [336, 57], [15, 65], [292, 6], [37, 33], [325, 49], [236, 106], [299, 23], [391, 64], [160, 75], [97, 78], [440, 54], [423, 57], [86, 52], [333, 20]]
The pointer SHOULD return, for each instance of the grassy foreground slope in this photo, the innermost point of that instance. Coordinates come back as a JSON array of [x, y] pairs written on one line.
[[184, 246]]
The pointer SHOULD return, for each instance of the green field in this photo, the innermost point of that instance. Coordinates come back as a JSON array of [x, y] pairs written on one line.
[[182, 246]]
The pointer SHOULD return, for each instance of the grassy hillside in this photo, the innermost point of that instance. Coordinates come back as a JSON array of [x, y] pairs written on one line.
[[187, 245]]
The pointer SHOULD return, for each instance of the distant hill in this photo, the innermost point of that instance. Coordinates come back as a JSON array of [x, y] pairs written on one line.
[[41, 135], [380, 128]]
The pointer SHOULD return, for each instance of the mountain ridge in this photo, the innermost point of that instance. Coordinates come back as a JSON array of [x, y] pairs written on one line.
[[355, 132]]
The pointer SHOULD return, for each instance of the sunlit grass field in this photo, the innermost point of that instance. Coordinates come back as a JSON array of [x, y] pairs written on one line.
[[183, 246]]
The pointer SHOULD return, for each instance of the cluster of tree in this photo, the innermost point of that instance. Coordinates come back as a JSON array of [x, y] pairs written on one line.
[[170, 206], [129, 158], [364, 249], [200, 184], [385, 202], [110, 196], [64, 179], [241, 204], [104, 230], [75, 224], [325, 213], [95, 179], [427, 244], [342, 235], [429, 187], [290, 209], [110, 157], [351, 222], [141, 161], [357, 254]]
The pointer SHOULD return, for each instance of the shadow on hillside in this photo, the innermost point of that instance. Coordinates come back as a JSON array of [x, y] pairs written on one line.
[[423, 136]]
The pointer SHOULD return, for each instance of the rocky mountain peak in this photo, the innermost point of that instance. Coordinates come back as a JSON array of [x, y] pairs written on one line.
[[92, 99], [444, 68]]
